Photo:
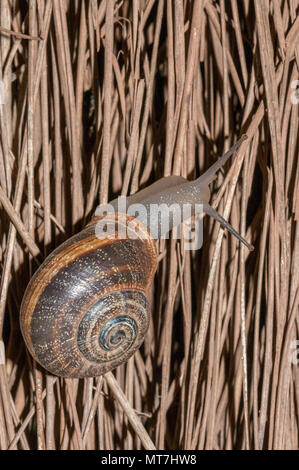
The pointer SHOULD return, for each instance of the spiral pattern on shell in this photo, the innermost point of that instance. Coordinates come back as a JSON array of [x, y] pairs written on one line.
[[85, 310]]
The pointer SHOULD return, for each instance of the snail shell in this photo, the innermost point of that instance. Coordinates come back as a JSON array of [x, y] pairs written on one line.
[[85, 310]]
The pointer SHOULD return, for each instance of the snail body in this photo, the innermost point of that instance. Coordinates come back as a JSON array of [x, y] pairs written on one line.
[[85, 310]]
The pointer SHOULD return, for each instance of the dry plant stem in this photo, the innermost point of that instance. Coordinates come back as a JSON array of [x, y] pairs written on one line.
[[108, 75], [41, 444], [243, 306], [240, 45], [6, 110], [19, 185], [167, 343], [50, 413], [132, 150], [6, 404], [149, 95], [81, 63], [30, 117], [46, 157], [273, 110], [180, 69], [17, 423], [6, 170], [78, 435], [17, 34], [266, 391], [57, 139], [64, 60], [26, 421], [15, 219], [212, 378], [129, 394], [259, 433], [88, 388], [191, 63], [77, 197], [225, 79], [3, 435], [93, 408], [171, 90], [132, 417], [205, 311]]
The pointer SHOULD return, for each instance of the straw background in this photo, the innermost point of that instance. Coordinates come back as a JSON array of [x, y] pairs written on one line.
[[102, 98]]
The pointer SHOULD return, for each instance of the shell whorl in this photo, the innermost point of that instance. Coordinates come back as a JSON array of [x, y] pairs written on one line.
[[85, 310]]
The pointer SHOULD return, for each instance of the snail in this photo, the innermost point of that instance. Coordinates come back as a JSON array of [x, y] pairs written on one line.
[[85, 310]]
